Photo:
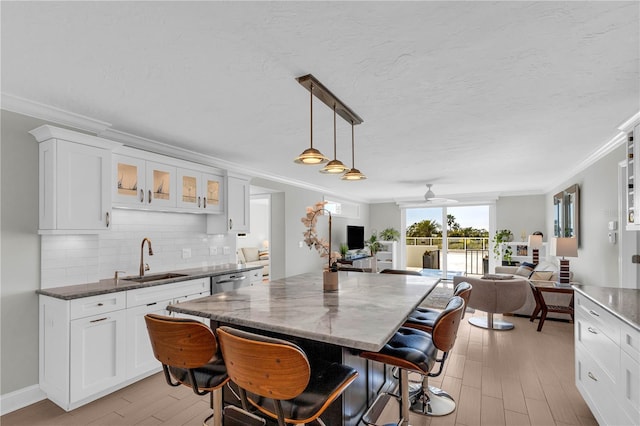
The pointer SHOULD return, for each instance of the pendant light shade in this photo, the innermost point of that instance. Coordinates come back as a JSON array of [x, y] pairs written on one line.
[[311, 155], [334, 166], [353, 173]]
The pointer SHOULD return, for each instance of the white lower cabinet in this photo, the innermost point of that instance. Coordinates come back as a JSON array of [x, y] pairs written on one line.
[[92, 346], [607, 368], [97, 354]]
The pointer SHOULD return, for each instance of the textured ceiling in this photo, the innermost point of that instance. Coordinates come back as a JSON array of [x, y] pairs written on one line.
[[475, 97]]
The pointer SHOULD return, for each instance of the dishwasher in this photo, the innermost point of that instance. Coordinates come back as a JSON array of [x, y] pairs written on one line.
[[228, 282]]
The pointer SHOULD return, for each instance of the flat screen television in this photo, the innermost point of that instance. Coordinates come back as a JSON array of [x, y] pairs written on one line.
[[355, 237]]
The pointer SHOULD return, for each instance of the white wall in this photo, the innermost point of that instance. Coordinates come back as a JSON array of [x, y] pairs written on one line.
[[597, 261], [522, 214], [259, 223]]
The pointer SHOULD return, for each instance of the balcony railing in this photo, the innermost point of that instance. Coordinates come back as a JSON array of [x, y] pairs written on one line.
[[465, 254]]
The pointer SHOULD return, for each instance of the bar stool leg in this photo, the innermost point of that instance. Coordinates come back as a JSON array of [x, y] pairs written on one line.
[[404, 397], [217, 407], [433, 401]]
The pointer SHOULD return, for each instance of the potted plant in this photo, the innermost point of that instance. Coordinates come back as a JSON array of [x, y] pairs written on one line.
[[502, 236], [343, 250], [373, 244], [389, 234]]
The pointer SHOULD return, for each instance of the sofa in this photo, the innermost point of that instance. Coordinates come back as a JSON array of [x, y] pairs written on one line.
[[252, 256], [543, 271]]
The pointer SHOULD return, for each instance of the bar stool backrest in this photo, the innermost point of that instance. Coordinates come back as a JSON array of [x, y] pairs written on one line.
[[269, 367], [400, 272], [180, 342], [445, 327], [463, 290]]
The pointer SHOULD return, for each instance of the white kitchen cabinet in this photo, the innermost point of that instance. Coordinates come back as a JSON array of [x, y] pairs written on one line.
[[74, 176], [92, 346], [255, 276], [143, 184], [200, 191], [140, 358], [607, 369], [238, 204], [97, 354]]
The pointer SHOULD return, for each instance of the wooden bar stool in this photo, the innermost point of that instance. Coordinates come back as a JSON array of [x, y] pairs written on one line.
[[411, 349], [188, 351], [275, 376], [423, 318]]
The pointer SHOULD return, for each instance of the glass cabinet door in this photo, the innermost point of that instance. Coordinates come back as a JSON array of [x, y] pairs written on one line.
[[129, 174], [189, 183], [213, 197], [160, 189]]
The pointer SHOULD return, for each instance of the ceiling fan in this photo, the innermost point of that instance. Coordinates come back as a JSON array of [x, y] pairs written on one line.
[[430, 197]]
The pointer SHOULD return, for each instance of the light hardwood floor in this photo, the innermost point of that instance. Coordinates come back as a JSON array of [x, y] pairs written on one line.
[[517, 377]]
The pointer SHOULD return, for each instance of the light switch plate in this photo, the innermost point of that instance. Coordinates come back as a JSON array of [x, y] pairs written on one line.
[[213, 250], [226, 250]]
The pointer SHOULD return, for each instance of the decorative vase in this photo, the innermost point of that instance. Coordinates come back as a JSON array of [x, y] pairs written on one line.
[[330, 281]]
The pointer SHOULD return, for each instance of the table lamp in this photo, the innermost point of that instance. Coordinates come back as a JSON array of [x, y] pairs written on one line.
[[565, 247], [535, 244]]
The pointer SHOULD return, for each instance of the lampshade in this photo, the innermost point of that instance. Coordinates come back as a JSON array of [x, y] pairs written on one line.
[[535, 241], [311, 155], [565, 247]]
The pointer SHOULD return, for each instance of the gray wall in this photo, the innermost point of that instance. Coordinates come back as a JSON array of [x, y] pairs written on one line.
[[385, 215], [597, 261], [20, 272], [522, 213]]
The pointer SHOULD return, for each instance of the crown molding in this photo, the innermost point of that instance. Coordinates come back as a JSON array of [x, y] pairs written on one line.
[[50, 113], [629, 124]]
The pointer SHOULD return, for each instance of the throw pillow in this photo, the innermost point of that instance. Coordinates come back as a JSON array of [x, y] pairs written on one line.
[[525, 269], [541, 275], [263, 254]]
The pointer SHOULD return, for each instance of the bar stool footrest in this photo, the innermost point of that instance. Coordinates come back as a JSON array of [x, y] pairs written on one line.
[[374, 416]]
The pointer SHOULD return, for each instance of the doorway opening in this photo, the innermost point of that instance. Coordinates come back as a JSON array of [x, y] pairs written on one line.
[[448, 240]]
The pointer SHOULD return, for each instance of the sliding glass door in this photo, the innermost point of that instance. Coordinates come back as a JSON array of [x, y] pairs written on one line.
[[446, 241]]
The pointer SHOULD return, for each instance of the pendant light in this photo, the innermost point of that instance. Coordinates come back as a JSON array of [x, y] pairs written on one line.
[[311, 155], [353, 174], [334, 166]]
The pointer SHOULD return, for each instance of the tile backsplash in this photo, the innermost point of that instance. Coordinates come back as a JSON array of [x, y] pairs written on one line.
[[78, 259]]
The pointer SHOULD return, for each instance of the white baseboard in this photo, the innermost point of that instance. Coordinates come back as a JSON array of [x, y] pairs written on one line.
[[21, 398]]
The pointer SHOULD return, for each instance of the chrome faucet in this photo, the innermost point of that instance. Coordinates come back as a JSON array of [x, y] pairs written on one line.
[[144, 266]]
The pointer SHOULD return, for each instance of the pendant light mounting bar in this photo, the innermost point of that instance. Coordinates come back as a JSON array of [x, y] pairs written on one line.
[[329, 99]]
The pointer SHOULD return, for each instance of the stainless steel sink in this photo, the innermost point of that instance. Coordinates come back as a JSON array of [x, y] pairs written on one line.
[[154, 277]]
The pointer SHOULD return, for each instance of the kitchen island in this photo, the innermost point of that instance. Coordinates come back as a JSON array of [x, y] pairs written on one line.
[[362, 315]]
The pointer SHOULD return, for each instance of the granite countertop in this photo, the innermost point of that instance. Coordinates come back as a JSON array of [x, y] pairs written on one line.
[[624, 303], [363, 314], [110, 286]]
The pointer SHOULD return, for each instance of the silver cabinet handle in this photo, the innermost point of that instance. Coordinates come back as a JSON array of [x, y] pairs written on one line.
[[99, 319], [230, 223], [594, 313], [198, 202], [592, 330], [149, 196], [141, 196], [591, 376], [108, 219], [100, 304], [205, 202], [232, 279]]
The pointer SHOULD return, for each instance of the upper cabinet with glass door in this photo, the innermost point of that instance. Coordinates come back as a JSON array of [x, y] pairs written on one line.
[[143, 184], [199, 191]]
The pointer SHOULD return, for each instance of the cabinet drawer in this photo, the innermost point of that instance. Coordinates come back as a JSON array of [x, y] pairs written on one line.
[[629, 386], [630, 341], [144, 296], [96, 305], [597, 389], [255, 275], [598, 317], [603, 350]]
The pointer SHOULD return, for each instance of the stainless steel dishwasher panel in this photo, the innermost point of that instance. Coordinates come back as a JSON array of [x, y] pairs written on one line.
[[228, 282]]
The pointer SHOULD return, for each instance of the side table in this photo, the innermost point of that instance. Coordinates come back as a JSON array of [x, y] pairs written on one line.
[[539, 287]]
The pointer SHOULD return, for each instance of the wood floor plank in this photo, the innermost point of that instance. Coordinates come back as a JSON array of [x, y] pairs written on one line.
[[539, 413], [472, 374], [513, 397], [468, 409], [492, 411], [491, 383], [513, 418]]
